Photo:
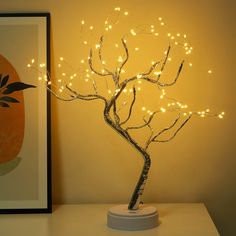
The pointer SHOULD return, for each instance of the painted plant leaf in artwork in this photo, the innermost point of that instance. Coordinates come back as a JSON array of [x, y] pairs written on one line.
[[16, 86], [12, 115]]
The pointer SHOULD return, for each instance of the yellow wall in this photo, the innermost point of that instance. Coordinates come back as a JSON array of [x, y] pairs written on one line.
[[92, 164]]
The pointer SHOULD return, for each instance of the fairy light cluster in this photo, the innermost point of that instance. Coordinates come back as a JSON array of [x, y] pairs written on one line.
[[87, 75]]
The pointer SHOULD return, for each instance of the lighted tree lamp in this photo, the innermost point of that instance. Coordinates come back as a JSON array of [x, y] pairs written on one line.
[[119, 91]]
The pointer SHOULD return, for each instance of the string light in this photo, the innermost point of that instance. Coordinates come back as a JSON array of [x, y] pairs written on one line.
[[133, 32]]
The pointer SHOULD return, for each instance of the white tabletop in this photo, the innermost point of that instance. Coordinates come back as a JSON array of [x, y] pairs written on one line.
[[90, 220]]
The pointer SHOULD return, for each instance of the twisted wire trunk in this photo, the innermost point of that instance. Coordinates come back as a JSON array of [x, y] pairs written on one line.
[[138, 191]]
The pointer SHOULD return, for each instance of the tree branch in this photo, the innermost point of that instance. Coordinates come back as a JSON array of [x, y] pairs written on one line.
[[92, 68], [126, 58], [100, 56], [176, 78], [176, 132], [131, 107], [145, 124], [87, 97]]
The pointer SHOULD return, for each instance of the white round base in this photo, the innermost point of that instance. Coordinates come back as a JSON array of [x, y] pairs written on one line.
[[119, 217]]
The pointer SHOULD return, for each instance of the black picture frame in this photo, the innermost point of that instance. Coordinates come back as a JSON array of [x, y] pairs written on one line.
[[25, 187]]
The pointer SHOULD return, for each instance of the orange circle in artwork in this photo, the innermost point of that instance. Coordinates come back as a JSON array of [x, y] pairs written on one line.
[[12, 119]]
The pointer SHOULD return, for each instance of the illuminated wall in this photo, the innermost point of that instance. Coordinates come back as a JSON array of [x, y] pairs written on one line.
[[92, 164]]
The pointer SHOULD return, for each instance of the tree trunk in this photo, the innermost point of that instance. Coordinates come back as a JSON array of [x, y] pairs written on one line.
[[138, 191]]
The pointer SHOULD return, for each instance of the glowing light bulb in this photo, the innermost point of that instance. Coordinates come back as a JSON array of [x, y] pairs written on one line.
[[82, 22], [109, 91], [103, 62], [156, 34], [120, 59], [116, 45], [157, 73], [49, 82], [136, 49], [125, 90], [163, 109], [162, 23], [133, 32], [209, 71], [169, 34], [185, 36], [32, 61], [82, 61], [143, 108], [126, 13], [63, 74], [85, 42], [70, 84], [169, 59], [139, 89], [59, 65], [190, 64], [139, 76], [178, 34], [110, 26], [159, 18], [39, 78], [28, 65], [117, 9]]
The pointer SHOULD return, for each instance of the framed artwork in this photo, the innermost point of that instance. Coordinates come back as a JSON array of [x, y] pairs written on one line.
[[25, 150]]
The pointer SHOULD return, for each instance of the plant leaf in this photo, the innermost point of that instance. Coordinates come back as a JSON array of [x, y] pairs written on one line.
[[3, 104], [8, 99], [16, 86], [4, 81], [9, 166]]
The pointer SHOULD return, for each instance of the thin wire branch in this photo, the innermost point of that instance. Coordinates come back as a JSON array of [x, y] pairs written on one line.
[[164, 63], [126, 58], [167, 128], [87, 97], [116, 116], [61, 98], [169, 139], [151, 69], [92, 68], [100, 55], [176, 78], [145, 124], [131, 107], [151, 133]]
